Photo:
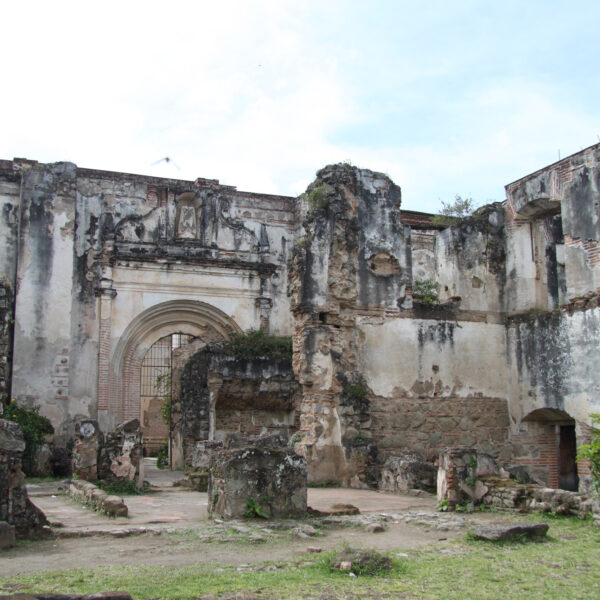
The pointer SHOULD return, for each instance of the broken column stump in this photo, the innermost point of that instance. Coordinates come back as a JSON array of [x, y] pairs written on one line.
[[15, 507], [460, 474], [122, 453], [257, 481], [89, 441]]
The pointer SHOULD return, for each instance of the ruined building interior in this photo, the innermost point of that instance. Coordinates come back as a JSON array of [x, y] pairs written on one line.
[[114, 285]]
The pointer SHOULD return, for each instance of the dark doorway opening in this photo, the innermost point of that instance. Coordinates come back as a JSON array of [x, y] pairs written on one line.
[[567, 465]]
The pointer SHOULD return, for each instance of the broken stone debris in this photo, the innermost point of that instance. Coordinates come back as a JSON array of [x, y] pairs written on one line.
[[510, 532]]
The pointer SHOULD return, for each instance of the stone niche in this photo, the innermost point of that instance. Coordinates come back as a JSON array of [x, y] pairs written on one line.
[[216, 395], [257, 477]]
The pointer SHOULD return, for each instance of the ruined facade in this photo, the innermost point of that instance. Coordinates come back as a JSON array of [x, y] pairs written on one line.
[[99, 267]]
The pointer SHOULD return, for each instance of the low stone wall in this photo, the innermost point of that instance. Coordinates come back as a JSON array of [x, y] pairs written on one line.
[[467, 476], [526, 497], [15, 507], [98, 499]]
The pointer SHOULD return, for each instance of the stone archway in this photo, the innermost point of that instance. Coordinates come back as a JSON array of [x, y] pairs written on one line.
[[189, 317]]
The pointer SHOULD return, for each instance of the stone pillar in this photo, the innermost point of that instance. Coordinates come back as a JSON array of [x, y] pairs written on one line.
[[215, 383], [86, 452], [6, 313], [15, 507], [106, 393]]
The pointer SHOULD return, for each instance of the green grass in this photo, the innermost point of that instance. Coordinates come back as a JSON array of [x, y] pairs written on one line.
[[565, 566]]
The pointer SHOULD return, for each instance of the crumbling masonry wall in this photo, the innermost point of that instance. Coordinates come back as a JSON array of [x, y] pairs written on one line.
[[6, 323]]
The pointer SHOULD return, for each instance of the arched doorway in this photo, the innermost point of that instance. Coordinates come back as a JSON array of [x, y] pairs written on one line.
[[551, 434], [121, 398], [155, 390]]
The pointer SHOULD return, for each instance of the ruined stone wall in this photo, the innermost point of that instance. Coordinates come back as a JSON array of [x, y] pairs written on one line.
[[43, 317], [553, 233], [100, 253], [216, 394], [6, 322], [470, 261]]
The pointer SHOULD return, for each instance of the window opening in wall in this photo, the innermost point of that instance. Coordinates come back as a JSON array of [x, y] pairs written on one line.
[[155, 390]]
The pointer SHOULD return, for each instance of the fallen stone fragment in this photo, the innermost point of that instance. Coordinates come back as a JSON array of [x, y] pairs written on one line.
[[314, 549], [510, 531], [345, 565], [375, 528], [343, 509]]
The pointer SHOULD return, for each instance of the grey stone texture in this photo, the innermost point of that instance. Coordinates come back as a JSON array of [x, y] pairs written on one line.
[[406, 471], [118, 455], [510, 531], [272, 480], [7, 535]]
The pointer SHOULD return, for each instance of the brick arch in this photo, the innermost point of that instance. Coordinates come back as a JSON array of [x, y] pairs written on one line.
[[191, 317]]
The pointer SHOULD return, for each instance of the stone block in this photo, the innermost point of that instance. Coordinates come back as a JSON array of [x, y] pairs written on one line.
[[510, 531], [405, 471], [7, 535], [269, 482]]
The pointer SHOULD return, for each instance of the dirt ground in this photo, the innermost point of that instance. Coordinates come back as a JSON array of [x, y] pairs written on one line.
[[170, 526]]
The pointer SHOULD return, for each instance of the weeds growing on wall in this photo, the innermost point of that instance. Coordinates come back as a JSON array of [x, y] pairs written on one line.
[[34, 427], [257, 344], [426, 291], [591, 452]]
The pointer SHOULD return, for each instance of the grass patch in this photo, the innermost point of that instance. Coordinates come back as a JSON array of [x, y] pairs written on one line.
[[119, 487], [566, 566], [49, 479]]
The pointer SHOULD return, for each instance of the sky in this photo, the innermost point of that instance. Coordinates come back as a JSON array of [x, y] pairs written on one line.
[[446, 97]]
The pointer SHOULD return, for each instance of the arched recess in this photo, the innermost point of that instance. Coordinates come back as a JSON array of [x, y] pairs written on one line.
[[197, 319], [550, 433]]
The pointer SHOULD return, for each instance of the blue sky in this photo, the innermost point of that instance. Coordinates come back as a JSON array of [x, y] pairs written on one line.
[[446, 97]]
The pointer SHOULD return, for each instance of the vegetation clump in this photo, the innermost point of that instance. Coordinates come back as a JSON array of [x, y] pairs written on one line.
[[318, 198], [360, 562], [34, 427], [591, 452], [426, 291], [254, 510], [257, 344], [119, 487], [356, 392], [451, 212]]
